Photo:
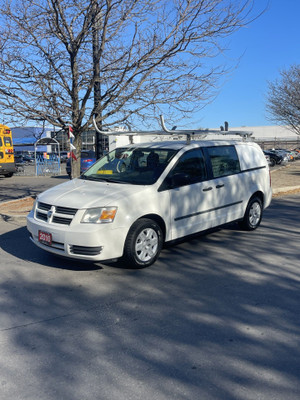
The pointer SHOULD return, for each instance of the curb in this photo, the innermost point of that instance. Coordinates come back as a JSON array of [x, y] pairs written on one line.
[[286, 189], [6, 216]]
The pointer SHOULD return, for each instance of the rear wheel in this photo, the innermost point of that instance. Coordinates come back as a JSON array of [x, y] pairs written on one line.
[[143, 243], [253, 214], [272, 162]]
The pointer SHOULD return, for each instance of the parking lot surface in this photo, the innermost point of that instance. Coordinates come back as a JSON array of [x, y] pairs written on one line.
[[215, 318]]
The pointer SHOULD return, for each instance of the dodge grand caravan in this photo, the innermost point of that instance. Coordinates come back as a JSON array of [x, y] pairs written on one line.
[[136, 198]]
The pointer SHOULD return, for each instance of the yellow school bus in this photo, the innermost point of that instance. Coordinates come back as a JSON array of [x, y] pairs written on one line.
[[7, 161]]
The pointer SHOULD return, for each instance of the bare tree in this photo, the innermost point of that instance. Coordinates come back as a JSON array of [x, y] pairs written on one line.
[[284, 99], [140, 57]]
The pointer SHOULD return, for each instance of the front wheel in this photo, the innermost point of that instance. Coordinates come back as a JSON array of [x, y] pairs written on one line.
[[253, 214], [143, 243]]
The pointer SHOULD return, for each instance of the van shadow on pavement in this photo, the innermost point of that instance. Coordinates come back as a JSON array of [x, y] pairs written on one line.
[[17, 243]]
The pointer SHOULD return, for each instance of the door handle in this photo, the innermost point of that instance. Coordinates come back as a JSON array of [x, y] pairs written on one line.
[[207, 189], [220, 186]]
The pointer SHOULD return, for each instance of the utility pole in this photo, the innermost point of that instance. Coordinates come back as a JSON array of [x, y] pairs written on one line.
[[96, 70]]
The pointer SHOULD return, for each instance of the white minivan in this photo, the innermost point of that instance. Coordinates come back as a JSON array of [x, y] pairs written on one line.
[[137, 197]]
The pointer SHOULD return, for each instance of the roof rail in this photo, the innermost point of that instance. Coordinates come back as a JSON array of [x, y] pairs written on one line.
[[189, 133]]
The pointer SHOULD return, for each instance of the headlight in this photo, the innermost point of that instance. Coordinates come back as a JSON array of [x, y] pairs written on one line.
[[99, 215]]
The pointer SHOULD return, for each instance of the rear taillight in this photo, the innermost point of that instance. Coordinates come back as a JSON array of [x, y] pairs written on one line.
[[87, 160]]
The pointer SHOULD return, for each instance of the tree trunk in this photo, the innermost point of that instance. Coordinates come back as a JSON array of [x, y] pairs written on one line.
[[76, 163]]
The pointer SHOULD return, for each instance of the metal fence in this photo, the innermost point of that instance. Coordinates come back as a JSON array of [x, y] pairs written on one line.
[[43, 165], [47, 165]]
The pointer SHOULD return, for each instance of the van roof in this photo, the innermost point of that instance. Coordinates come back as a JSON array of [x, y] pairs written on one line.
[[176, 145]]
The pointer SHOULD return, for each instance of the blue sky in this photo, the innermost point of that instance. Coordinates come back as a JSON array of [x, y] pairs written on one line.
[[266, 46]]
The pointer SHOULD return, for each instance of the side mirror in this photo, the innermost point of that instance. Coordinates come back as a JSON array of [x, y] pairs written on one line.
[[175, 181], [178, 179]]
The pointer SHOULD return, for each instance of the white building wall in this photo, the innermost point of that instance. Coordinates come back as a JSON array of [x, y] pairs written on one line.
[[259, 133], [272, 132]]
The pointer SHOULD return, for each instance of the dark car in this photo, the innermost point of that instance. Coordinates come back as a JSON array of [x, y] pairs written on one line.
[[64, 156], [88, 158], [19, 159], [28, 159], [274, 158]]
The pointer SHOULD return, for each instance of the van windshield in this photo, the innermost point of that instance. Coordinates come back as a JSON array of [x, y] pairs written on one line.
[[137, 166]]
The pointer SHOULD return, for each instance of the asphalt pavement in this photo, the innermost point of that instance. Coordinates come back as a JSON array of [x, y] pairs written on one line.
[[215, 318], [19, 186]]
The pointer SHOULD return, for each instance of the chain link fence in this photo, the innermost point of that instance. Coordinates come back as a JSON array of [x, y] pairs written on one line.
[[41, 166]]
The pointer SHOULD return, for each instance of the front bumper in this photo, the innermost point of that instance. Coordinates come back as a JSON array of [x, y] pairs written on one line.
[[94, 242]]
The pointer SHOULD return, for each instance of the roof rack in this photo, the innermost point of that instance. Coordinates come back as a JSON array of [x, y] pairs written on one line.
[[188, 133]]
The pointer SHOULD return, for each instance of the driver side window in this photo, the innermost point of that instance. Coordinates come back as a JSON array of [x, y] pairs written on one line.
[[189, 169]]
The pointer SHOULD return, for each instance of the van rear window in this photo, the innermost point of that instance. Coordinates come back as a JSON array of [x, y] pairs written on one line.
[[224, 160]]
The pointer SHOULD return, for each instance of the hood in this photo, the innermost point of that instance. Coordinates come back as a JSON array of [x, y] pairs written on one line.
[[80, 193]]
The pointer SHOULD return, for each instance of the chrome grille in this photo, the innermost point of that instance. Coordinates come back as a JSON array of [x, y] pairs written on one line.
[[41, 216], [54, 214], [44, 206], [61, 220], [66, 210]]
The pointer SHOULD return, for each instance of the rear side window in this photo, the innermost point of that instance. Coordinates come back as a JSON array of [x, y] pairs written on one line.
[[224, 160]]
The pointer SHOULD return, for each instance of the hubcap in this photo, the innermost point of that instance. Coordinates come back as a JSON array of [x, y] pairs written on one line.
[[146, 244], [254, 214]]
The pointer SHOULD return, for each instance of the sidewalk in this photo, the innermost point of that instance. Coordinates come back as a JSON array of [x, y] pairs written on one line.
[[286, 179]]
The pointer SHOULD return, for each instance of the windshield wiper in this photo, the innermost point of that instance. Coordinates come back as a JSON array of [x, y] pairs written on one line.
[[100, 178], [93, 178]]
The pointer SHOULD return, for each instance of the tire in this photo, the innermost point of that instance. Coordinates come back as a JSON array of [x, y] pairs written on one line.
[[143, 243], [253, 214], [9, 175], [272, 162]]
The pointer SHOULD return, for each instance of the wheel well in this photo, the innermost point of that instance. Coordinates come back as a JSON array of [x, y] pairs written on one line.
[[258, 194], [158, 220]]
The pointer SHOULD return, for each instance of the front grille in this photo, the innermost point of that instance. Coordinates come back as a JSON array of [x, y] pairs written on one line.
[[61, 220], [55, 214], [65, 210], [85, 251], [41, 216], [44, 206]]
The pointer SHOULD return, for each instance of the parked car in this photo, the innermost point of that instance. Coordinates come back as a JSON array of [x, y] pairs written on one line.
[[136, 198], [88, 158], [64, 156], [286, 154], [268, 159], [28, 159], [274, 158], [19, 159]]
